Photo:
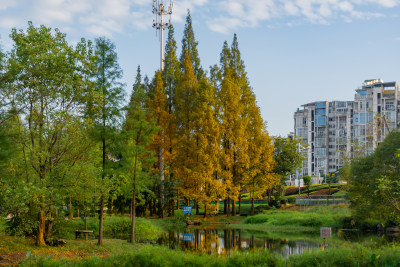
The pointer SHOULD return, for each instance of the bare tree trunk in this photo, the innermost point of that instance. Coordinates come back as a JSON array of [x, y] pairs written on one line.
[[133, 204], [234, 208], [49, 225], [85, 217], [161, 169], [71, 216], [41, 228], [225, 207], [177, 200], [228, 207], [252, 204], [240, 203], [151, 208], [100, 240], [134, 201]]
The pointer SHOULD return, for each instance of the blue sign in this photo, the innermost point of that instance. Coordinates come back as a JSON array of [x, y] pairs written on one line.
[[187, 209], [187, 237]]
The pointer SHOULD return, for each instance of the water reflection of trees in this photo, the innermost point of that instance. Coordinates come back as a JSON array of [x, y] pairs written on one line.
[[226, 241]]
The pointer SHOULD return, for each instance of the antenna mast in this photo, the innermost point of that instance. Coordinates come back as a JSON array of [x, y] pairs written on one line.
[[159, 10]]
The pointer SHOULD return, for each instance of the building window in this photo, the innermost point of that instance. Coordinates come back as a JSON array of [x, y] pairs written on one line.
[[321, 121]]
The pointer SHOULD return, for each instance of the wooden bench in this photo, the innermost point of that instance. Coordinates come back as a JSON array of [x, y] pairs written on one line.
[[78, 232]]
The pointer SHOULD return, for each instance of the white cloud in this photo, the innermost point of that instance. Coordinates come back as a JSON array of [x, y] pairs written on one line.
[[5, 4], [105, 17]]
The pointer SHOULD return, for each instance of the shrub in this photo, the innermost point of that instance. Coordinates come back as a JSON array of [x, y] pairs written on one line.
[[22, 225], [292, 200], [261, 208]]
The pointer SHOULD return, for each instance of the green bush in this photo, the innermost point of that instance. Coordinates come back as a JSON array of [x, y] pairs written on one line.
[[261, 208], [22, 225], [350, 222]]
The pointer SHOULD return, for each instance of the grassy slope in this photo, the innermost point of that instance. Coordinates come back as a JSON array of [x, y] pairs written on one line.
[[312, 217]]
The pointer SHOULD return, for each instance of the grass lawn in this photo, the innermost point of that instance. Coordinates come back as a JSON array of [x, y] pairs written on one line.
[[309, 217]]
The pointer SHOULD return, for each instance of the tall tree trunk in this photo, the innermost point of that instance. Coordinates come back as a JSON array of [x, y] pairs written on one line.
[[161, 169], [154, 206], [71, 216], [252, 204], [197, 206], [228, 208], [100, 240], [225, 206], [233, 207], [177, 200], [41, 228], [85, 216], [130, 209], [49, 225], [205, 209], [134, 201], [240, 203]]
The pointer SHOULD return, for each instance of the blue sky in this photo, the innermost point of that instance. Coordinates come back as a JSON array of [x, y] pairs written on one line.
[[295, 51]]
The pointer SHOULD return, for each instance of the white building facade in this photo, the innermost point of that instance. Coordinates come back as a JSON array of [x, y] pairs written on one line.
[[336, 130]]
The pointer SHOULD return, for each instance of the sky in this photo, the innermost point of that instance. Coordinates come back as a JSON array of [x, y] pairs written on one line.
[[295, 51]]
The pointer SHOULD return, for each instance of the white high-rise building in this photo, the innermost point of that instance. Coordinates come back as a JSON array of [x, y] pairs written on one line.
[[336, 130]]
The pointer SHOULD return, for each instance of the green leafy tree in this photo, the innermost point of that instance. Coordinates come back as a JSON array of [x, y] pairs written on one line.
[[372, 184], [51, 85], [107, 112], [286, 153], [138, 131], [307, 182]]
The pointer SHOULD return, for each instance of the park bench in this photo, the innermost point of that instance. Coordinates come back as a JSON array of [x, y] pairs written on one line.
[[78, 232]]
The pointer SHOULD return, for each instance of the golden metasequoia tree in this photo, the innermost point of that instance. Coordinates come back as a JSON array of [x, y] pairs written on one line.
[[158, 107], [184, 152], [207, 147], [234, 146], [170, 75]]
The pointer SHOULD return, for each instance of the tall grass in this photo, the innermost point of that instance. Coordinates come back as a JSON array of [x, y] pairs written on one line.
[[161, 256]]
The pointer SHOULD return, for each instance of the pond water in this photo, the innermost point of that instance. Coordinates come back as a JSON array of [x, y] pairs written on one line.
[[225, 241]]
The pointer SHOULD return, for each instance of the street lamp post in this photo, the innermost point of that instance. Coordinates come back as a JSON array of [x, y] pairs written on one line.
[[298, 173]]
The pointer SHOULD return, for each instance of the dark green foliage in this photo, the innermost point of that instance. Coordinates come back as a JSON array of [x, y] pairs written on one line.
[[23, 225], [261, 208], [366, 199]]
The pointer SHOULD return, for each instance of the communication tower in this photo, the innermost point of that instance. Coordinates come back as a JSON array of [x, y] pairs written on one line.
[[160, 10]]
